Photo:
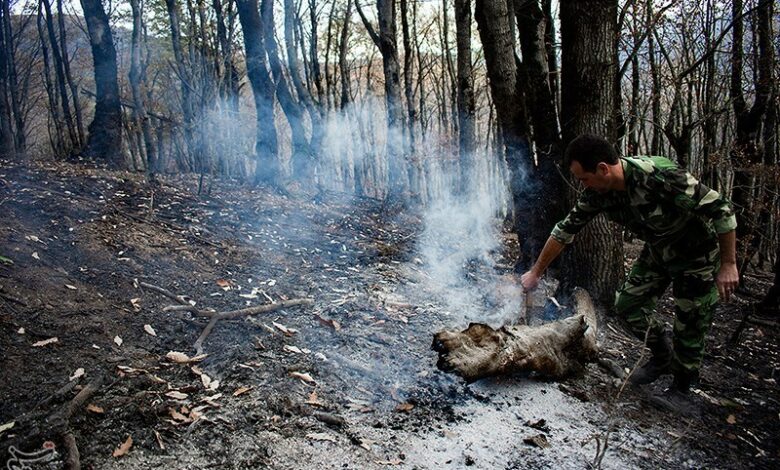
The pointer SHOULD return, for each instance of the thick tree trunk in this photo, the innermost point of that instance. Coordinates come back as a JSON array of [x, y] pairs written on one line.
[[467, 144], [746, 154], [105, 130], [409, 144], [554, 349], [589, 65], [346, 88], [266, 147], [546, 197], [493, 20], [314, 54]]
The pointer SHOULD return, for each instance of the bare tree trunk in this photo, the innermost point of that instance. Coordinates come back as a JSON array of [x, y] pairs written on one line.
[[409, 144], [589, 65], [58, 139], [493, 20], [317, 132], [7, 142], [184, 78], [546, 196], [466, 103], [745, 154], [302, 158], [386, 42], [74, 90], [266, 147], [231, 78], [314, 54], [139, 110], [20, 132], [59, 70], [346, 93], [655, 76], [105, 130]]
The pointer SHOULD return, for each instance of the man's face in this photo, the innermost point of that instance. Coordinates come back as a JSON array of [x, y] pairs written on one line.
[[599, 180]]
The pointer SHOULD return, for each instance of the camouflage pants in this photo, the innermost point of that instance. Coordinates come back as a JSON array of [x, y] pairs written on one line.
[[691, 269]]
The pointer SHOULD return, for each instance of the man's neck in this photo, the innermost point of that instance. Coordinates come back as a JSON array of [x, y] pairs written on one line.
[[619, 175]]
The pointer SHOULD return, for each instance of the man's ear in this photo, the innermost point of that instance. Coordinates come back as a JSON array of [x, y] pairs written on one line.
[[602, 168]]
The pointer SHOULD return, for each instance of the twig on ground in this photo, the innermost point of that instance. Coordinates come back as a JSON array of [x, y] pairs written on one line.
[[214, 317]]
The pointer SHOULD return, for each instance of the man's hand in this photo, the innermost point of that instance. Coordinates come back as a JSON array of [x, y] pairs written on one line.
[[529, 281], [727, 280]]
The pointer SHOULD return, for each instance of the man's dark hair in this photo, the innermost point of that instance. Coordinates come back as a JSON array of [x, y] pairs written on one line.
[[590, 150]]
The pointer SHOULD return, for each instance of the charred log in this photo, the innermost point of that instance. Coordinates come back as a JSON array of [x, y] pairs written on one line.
[[554, 349]]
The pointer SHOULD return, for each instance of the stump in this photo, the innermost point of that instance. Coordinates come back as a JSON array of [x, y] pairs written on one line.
[[554, 349]]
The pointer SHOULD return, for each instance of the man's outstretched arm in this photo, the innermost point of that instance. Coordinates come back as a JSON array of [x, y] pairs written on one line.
[[552, 248], [728, 276]]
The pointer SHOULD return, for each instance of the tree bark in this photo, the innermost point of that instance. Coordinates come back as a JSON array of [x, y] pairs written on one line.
[[105, 130], [302, 159], [465, 93], [589, 65], [546, 195], [18, 125], [745, 153], [74, 90], [493, 21], [385, 41], [59, 69], [554, 349], [139, 109], [266, 146]]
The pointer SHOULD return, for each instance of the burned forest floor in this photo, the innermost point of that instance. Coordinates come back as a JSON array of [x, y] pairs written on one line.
[[92, 359]]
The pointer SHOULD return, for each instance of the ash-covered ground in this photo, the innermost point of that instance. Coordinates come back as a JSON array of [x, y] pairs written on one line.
[[348, 381]]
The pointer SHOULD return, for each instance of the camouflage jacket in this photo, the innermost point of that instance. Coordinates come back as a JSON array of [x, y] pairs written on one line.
[[661, 203]]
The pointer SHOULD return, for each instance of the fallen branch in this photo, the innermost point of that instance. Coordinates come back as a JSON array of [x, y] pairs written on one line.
[[554, 349], [214, 317]]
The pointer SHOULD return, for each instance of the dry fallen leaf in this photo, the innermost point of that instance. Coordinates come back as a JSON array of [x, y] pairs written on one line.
[[404, 407], [176, 395], [284, 329], [314, 400], [136, 303], [5, 427], [241, 391], [292, 349], [124, 448], [118, 340], [93, 408], [20, 331], [178, 416], [45, 342], [321, 436], [71, 287], [302, 376], [366, 443], [731, 419], [159, 439], [35, 255], [150, 330], [178, 357], [205, 380], [78, 373]]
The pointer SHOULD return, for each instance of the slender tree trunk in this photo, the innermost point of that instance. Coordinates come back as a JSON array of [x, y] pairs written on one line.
[[139, 110], [58, 139], [409, 145], [385, 40], [346, 93], [466, 102], [266, 146], [74, 90], [59, 70], [302, 158], [317, 132], [314, 54], [7, 143], [589, 66], [20, 131]]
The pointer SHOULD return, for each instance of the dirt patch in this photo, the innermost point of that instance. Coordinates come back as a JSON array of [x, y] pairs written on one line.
[[347, 382]]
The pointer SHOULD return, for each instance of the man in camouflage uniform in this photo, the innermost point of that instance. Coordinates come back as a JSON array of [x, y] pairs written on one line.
[[690, 242]]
